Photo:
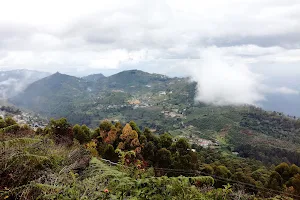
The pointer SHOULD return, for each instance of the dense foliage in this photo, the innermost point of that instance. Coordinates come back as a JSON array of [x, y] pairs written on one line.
[[74, 162]]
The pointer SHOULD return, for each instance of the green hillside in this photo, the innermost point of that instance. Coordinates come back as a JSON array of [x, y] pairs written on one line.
[[49, 95], [167, 105]]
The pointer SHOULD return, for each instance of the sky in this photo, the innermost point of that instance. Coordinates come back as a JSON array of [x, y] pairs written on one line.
[[238, 51]]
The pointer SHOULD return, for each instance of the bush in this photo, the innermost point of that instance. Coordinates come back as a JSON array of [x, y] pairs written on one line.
[[11, 129]]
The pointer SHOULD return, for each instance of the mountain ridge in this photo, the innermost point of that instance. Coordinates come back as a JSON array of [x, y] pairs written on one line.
[[93, 77]]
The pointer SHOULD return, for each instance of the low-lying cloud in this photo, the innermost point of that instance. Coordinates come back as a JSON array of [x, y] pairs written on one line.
[[13, 82], [225, 81]]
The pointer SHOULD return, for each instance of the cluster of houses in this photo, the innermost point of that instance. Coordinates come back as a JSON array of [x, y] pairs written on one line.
[[172, 114], [137, 103], [33, 122], [143, 102], [25, 118], [205, 143]]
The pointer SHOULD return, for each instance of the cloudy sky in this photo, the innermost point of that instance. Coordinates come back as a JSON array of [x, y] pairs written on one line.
[[254, 43]]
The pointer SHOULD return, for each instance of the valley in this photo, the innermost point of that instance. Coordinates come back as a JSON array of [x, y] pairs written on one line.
[[165, 104]]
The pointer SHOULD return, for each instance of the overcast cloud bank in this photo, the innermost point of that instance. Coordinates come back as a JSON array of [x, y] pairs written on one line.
[[220, 42]]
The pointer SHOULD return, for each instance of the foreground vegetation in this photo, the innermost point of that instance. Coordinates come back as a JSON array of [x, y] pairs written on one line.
[[117, 161]]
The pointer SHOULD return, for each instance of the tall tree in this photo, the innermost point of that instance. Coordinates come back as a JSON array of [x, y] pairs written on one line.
[[166, 140], [182, 146], [164, 158], [80, 135]]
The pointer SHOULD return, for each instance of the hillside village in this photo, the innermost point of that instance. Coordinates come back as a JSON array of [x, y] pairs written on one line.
[[22, 118]]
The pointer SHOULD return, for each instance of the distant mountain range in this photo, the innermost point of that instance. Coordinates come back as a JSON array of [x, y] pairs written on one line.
[[63, 95], [14, 81]]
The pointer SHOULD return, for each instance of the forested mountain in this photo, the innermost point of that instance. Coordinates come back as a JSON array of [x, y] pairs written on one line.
[[53, 95], [166, 105], [14, 81], [62, 95]]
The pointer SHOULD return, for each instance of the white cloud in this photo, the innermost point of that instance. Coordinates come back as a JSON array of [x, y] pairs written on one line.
[[80, 37], [222, 82], [286, 90]]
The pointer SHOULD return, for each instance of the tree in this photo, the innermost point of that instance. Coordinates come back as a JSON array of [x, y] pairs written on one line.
[[59, 127], [61, 130], [11, 129], [105, 125], [118, 125], [275, 181], [166, 140], [10, 121], [111, 136], [135, 142], [148, 151], [164, 158], [182, 161], [241, 176], [208, 169], [261, 175], [121, 146], [182, 146], [129, 137], [80, 135], [96, 133], [284, 170], [143, 139], [222, 171], [294, 169], [2, 123], [135, 127], [295, 182], [151, 137], [86, 131], [109, 153]]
